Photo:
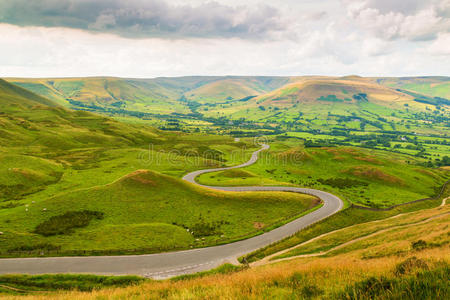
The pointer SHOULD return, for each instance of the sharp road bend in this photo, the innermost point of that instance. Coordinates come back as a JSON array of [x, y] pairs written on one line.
[[169, 264]]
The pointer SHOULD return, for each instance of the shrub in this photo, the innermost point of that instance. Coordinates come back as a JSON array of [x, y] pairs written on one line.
[[42, 246], [64, 224], [299, 285], [360, 97], [369, 288], [342, 182], [424, 284], [409, 265], [330, 98], [206, 229], [419, 245]]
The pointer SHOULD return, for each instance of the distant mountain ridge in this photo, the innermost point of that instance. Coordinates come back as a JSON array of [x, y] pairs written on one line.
[[307, 103]]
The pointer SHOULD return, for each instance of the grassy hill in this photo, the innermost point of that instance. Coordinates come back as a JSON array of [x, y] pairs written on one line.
[[106, 92], [27, 119], [431, 86], [77, 183], [350, 110], [251, 105], [332, 89], [236, 89], [155, 96], [144, 211], [13, 96], [319, 96]]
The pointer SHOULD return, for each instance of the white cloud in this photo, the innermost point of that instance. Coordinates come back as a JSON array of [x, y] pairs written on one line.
[[376, 47], [440, 47]]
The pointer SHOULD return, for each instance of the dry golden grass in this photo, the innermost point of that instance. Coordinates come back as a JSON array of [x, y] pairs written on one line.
[[332, 274]]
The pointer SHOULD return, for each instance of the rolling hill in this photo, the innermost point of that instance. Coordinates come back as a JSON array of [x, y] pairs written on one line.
[[351, 103], [431, 86], [274, 99], [156, 96], [77, 183], [146, 211], [14, 96], [238, 88], [30, 120], [332, 90], [104, 92], [249, 106], [166, 95], [40, 141]]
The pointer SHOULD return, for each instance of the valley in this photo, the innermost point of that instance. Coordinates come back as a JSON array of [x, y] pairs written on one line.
[[84, 175]]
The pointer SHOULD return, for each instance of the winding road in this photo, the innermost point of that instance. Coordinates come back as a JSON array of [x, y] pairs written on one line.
[[164, 265]]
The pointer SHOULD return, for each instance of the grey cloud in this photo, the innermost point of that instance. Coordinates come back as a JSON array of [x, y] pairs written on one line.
[[405, 7], [415, 20], [145, 18]]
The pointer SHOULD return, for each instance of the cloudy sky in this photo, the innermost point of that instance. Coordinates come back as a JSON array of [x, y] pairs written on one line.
[[151, 38]]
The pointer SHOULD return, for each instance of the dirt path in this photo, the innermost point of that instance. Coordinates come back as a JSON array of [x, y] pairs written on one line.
[[19, 290]]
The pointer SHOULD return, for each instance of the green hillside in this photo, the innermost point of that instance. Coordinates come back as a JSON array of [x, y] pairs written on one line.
[[29, 120], [234, 89], [350, 105], [152, 96], [107, 92], [431, 86], [292, 103], [14, 97], [146, 211]]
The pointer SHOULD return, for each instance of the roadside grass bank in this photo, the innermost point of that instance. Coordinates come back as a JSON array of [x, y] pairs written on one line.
[[38, 284], [354, 237], [345, 218]]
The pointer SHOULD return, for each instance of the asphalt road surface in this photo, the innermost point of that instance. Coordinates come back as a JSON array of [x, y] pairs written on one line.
[[164, 265]]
